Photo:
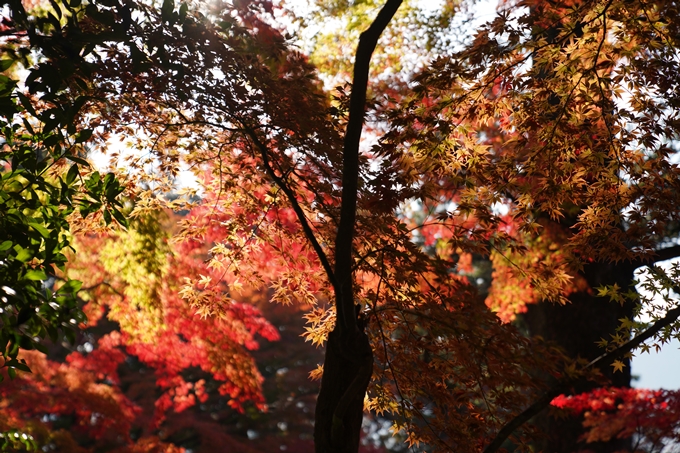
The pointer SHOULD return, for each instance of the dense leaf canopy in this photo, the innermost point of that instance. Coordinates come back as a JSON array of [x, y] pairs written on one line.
[[499, 179]]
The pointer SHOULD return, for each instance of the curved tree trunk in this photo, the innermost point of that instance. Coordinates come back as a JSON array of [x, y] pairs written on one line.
[[348, 364]]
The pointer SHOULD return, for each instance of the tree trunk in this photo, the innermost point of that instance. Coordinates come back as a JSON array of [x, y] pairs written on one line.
[[577, 327], [339, 409], [348, 364]]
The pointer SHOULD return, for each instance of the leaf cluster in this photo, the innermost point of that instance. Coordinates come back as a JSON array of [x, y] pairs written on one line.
[[45, 181]]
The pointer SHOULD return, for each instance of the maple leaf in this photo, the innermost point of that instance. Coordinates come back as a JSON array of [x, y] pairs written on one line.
[[316, 374], [618, 365]]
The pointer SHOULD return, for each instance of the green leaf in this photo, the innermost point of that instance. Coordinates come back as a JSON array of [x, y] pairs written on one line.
[[53, 140], [5, 246], [22, 367], [167, 9], [19, 365], [120, 217], [71, 286], [26, 342], [24, 315], [78, 160], [36, 274], [13, 186], [5, 64], [50, 124], [93, 180], [70, 336], [84, 135], [6, 85], [109, 178], [72, 174], [41, 347], [28, 126], [7, 107], [22, 255], [26, 103], [44, 232]]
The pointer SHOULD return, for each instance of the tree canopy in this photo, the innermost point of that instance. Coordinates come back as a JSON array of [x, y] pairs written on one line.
[[459, 222]]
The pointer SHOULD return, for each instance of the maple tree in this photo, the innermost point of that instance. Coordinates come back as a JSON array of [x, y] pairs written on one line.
[[544, 147]]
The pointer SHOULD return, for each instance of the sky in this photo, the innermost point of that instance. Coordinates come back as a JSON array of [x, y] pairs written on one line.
[[658, 370]]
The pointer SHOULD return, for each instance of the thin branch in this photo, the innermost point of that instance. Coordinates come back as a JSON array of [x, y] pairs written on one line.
[[350, 171], [95, 286], [659, 255], [544, 401], [306, 227]]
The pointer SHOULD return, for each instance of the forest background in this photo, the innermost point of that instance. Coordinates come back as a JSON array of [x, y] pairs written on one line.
[[468, 263]]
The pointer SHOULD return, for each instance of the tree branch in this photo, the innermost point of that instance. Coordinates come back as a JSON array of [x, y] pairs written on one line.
[[659, 255], [544, 401], [306, 227], [350, 171]]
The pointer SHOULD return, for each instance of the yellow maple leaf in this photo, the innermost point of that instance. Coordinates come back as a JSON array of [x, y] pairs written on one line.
[[618, 365], [316, 374]]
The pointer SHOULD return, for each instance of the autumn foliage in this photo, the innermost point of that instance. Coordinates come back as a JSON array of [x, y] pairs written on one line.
[[650, 416], [466, 262]]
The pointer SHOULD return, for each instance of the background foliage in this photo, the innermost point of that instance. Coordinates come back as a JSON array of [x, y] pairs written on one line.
[[507, 188]]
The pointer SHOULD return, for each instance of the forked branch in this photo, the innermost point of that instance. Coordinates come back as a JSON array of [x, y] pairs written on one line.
[[350, 170]]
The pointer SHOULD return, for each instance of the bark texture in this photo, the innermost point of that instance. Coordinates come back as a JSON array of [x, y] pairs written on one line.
[[348, 366]]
